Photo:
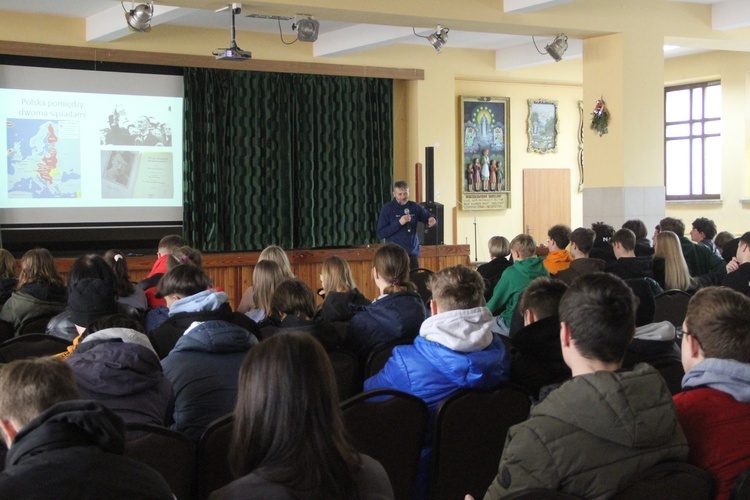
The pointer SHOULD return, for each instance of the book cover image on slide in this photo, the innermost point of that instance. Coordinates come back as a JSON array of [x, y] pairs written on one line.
[[44, 158], [137, 174]]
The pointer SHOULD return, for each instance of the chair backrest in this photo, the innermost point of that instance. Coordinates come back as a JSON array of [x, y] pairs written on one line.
[[380, 354], [671, 306], [168, 452], [31, 345], [672, 371], [346, 371], [34, 325], [212, 461], [421, 277], [470, 430], [741, 489], [670, 480], [390, 427]]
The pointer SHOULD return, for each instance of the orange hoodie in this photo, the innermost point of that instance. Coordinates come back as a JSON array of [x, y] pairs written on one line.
[[557, 261]]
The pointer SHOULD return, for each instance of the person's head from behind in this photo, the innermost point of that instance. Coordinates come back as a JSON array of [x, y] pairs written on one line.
[[717, 325], [336, 275], [559, 237], [499, 247], [390, 268], [597, 315], [455, 288], [287, 419], [90, 267], [7, 264], [38, 266], [181, 282], [722, 239], [401, 192], [28, 388], [603, 231], [703, 229], [674, 225], [522, 247], [676, 274], [638, 228], [278, 255], [267, 275], [90, 299], [116, 260], [581, 242], [623, 243], [541, 299], [168, 243], [185, 256], [293, 298]]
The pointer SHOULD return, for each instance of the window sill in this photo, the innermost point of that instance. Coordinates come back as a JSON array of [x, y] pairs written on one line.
[[697, 202]]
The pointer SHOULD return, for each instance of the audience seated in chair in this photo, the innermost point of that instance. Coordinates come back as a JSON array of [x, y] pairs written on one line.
[[536, 356], [293, 308], [526, 267], [397, 313], [628, 265], [190, 299], [288, 439], [492, 271], [8, 280], [600, 430], [85, 267], [602, 249], [116, 365], [700, 260], [39, 292], [60, 445], [267, 275], [643, 246], [558, 258], [275, 254], [127, 293], [670, 268], [714, 407], [581, 243], [150, 283], [341, 298], [738, 270], [703, 233]]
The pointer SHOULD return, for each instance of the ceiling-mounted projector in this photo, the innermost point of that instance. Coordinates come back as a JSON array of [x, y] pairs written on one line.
[[233, 52]]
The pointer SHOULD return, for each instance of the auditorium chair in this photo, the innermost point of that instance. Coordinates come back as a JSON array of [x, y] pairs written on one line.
[[346, 371], [470, 430], [741, 489], [31, 345], [389, 426], [671, 306], [168, 452], [421, 278], [380, 354], [212, 459]]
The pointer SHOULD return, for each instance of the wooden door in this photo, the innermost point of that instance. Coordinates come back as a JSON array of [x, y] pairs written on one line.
[[546, 201]]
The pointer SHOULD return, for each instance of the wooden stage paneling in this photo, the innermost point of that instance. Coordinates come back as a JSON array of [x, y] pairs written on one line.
[[234, 271]]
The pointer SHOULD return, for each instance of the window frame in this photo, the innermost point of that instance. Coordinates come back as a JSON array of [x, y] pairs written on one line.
[[690, 136]]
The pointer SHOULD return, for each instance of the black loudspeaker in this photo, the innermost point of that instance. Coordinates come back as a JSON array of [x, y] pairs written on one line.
[[429, 173], [432, 235]]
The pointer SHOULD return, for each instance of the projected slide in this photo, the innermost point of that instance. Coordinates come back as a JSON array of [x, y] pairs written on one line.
[[78, 150]]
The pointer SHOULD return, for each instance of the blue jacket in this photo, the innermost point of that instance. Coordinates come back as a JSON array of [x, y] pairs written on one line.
[[393, 232], [394, 316], [454, 350], [203, 368]]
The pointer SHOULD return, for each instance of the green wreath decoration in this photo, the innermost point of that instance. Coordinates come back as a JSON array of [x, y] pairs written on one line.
[[600, 118]]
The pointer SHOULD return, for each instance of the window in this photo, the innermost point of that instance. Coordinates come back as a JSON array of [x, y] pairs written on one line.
[[692, 141]]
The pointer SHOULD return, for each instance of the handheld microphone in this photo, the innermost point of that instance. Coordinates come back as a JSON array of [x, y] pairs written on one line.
[[408, 227]]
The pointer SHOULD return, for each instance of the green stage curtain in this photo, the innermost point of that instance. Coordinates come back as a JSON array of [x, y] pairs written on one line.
[[299, 161]]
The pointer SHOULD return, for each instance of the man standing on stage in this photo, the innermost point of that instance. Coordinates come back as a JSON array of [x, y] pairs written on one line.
[[398, 222]]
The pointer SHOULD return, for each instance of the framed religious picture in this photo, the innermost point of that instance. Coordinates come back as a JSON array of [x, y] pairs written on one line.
[[543, 126], [485, 167]]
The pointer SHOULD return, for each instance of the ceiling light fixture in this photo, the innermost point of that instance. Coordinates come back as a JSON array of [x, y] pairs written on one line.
[[139, 17], [437, 39], [556, 49]]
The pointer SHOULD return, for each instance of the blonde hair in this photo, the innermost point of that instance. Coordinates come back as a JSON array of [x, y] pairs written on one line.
[[392, 263], [38, 266], [523, 244], [499, 247], [337, 275], [7, 264], [278, 255], [676, 274], [267, 275]]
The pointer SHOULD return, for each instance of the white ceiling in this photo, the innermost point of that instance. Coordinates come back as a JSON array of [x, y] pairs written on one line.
[[105, 23]]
